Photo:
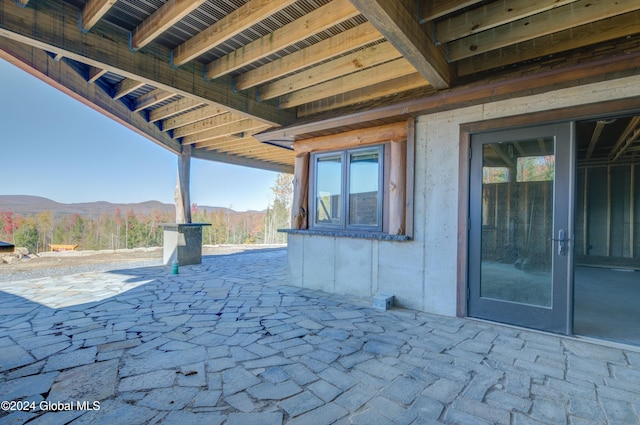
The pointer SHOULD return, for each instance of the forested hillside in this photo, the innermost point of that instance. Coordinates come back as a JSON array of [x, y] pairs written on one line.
[[134, 228]]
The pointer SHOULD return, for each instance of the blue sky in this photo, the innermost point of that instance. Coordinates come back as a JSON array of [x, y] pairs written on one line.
[[53, 146]]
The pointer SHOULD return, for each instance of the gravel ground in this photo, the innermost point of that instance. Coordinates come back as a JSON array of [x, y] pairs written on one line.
[[73, 262]]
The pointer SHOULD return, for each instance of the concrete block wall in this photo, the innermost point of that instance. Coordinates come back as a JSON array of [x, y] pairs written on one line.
[[422, 273]]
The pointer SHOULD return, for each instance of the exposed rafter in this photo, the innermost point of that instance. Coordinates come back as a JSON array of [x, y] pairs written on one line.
[[162, 19], [628, 137], [362, 59], [93, 11], [208, 124], [558, 19], [95, 74], [595, 138], [491, 16], [400, 27], [173, 108], [343, 42], [385, 88], [592, 33], [152, 98], [191, 117], [433, 9], [393, 69], [126, 86], [63, 77], [41, 27], [242, 18], [245, 125], [312, 23]]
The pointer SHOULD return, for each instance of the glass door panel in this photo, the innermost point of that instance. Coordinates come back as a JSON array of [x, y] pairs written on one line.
[[519, 227], [517, 218]]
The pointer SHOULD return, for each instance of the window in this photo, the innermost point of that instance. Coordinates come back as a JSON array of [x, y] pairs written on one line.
[[347, 191]]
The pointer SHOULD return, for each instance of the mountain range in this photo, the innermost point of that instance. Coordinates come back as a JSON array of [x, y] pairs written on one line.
[[27, 204]]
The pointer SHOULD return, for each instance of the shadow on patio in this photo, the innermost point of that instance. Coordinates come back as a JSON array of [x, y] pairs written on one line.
[[227, 342]]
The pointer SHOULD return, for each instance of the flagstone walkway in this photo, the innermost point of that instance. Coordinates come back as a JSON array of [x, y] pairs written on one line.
[[227, 342]]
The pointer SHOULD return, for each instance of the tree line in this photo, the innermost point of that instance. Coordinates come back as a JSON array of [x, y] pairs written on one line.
[[130, 229]]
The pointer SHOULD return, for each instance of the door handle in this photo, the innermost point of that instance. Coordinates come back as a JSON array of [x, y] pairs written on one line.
[[562, 242]]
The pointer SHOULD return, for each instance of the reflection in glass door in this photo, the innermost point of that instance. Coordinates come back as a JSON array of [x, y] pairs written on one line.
[[519, 227]]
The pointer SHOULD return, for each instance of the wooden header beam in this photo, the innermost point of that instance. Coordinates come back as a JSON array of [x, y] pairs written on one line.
[[354, 138]]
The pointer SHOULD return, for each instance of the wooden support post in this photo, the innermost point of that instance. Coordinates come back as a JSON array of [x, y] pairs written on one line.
[[182, 197], [397, 183], [300, 209]]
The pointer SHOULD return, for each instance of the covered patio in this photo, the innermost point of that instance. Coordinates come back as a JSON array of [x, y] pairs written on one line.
[[228, 342]]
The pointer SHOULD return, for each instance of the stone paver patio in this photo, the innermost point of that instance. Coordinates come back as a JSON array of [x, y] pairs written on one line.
[[227, 342]]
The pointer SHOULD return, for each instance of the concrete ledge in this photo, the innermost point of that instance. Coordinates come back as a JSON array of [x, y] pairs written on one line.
[[348, 234], [182, 243]]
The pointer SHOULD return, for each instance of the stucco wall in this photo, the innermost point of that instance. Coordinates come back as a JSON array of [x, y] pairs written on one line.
[[422, 273]]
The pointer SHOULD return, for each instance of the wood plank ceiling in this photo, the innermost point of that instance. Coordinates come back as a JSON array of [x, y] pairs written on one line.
[[210, 74]]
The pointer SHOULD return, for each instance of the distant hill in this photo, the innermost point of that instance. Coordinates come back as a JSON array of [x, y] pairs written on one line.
[[26, 204]]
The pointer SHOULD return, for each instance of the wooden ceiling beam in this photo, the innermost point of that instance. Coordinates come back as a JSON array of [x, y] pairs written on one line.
[[268, 155], [629, 134], [52, 26], [174, 108], [212, 142], [231, 142], [551, 21], [433, 9], [245, 125], [263, 153], [243, 161], [191, 117], [63, 77], [401, 28], [161, 20], [312, 23], [219, 142], [95, 74], [585, 35], [344, 65], [93, 11], [152, 98], [390, 70], [343, 42], [595, 138], [237, 21], [490, 16], [386, 88], [465, 96], [248, 146], [126, 86], [208, 124]]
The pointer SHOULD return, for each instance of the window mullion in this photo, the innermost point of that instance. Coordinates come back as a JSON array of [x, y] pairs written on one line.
[[345, 189]]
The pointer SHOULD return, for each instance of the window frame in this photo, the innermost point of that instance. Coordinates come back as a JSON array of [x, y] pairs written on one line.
[[345, 198]]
